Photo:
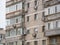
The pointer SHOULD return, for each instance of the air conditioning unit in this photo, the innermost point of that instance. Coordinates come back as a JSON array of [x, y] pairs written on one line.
[[35, 7], [26, 10], [14, 26], [24, 33], [34, 35]]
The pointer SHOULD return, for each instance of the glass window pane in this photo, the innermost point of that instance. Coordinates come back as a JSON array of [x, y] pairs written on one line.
[[19, 32], [46, 11], [52, 9], [19, 42], [19, 6], [12, 32], [58, 8], [12, 8], [8, 22], [12, 21], [51, 25], [7, 10]]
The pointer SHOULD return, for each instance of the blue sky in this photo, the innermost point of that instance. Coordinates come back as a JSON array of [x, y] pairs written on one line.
[[2, 14]]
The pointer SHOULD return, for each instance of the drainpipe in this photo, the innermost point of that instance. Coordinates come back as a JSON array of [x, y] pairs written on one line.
[[23, 22]]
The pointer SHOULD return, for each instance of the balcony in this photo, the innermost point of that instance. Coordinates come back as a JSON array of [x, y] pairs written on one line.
[[2, 41], [50, 3], [55, 44], [51, 17], [16, 25], [12, 2], [13, 14], [13, 38], [52, 32]]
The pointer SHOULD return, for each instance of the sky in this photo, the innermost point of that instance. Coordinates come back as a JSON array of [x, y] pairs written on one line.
[[2, 14]]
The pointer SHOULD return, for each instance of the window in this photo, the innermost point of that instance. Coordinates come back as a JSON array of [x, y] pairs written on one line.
[[7, 33], [19, 31], [28, 43], [28, 5], [11, 43], [19, 42], [0, 36], [8, 22], [19, 6], [43, 28], [13, 32], [51, 25], [7, 10], [55, 9], [58, 23], [53, 41], [48, 10], [27, 18], [35, 43], [12, 8], [28, 31], [12, 21], [35, 2], [35, 30], [15, 43], [17, 20], [51, 10], [35, 17], [48, 25], [43, 42], [58, 8]]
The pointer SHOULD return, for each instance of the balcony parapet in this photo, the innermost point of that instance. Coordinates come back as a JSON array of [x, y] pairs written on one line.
[[52, 32], [12, 2], [51, 17], [11, 26], [50, 3], [13, 14]]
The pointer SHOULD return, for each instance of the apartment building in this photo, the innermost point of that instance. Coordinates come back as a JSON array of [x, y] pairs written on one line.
[[14, 22], [51, 19], [34, 26], [2, 36], [32, 22]]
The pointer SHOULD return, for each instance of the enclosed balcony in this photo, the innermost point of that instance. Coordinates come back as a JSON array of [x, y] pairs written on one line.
[[52, 17], [52, 32], [16, 25], [48, 3], [10, 2], [13, 14]]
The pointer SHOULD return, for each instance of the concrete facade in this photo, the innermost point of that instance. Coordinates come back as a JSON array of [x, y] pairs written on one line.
[[38, 18]]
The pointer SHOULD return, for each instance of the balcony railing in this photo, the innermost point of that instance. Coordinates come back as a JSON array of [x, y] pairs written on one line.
[[52, 32], [50, 2], [12, 14]]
